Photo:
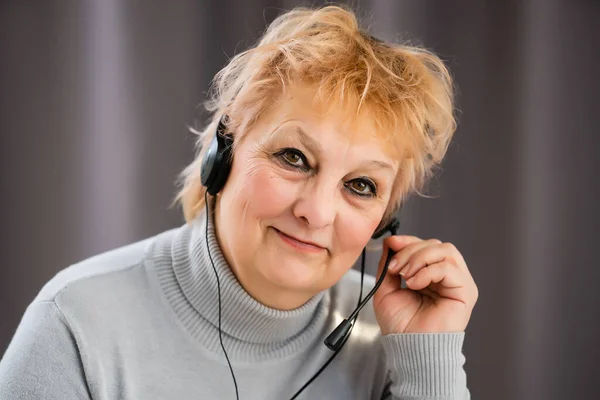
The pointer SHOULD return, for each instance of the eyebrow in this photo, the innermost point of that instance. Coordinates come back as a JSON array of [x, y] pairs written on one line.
[[379, 164], [315, 146], [307, 140]]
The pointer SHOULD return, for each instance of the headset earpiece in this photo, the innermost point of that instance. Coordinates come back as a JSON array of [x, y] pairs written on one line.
[[217, 160]]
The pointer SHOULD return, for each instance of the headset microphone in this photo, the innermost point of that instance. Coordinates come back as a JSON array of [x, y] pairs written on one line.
[[336, 339]]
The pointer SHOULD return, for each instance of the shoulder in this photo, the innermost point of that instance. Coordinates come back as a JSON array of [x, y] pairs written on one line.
[[103, 265], [109, 292], [98, 276]]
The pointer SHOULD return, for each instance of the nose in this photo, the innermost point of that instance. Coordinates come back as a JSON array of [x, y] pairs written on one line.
[[316, 205]]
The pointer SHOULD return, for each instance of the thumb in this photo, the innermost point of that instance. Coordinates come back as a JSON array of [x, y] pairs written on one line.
[[392, 282]]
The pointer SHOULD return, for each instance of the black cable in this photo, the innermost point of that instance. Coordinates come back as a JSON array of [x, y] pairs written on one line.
[[237, 395], [362, 276], [390, 255]]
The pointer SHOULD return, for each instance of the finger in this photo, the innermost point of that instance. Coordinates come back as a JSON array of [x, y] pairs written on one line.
[[396, 243], [444, 273], [404, 255], [404, 245], [429, 255], [442, 278]]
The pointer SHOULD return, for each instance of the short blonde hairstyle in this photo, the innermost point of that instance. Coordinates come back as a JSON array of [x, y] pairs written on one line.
[[407, 91]]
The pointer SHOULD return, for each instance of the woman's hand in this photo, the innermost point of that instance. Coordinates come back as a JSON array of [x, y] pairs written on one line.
[[441, 292]]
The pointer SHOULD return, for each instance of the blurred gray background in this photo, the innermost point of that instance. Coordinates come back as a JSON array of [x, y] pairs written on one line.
[[96, 97]]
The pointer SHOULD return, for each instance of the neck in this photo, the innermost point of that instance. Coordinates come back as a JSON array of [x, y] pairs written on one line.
[[260, 289], [270, 295]]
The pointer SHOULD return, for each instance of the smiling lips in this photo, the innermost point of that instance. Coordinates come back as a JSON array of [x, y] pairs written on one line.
[[299, 244]]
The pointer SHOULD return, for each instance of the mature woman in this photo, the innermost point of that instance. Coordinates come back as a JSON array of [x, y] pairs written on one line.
[[318, 134]]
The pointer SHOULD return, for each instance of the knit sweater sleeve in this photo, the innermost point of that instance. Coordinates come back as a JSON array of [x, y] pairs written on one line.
[[425, 366], [42, 361]]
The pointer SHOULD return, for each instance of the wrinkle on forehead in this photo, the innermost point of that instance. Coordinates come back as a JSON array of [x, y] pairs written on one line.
[[360, 128]]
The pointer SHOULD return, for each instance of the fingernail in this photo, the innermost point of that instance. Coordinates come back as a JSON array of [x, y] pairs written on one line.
[[408, 281], [404, 270], [393, 265]]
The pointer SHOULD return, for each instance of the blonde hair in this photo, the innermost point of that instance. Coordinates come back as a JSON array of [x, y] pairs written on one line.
[[407, 91]]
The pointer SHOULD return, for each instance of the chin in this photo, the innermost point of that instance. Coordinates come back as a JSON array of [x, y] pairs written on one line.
[[291, 273]]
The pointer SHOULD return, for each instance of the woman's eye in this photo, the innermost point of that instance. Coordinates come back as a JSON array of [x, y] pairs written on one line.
[[293, 157], [362, 187]]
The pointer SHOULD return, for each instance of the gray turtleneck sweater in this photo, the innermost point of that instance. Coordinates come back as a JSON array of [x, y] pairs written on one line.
[[140, 322]]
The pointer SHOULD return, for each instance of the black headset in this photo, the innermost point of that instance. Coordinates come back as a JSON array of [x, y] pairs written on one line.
[[216, 163], [216, 166]]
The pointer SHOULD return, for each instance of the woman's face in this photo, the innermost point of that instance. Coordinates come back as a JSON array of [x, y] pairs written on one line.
[[306, 191]]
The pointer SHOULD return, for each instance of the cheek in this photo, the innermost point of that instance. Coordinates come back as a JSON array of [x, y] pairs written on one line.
[[353, 232], [356, 231], [264, 193]]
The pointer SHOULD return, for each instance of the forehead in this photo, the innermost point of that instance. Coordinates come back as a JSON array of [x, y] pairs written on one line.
[[328, 121]]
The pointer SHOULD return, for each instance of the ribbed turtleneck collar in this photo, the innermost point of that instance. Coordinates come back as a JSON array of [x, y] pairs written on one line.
[[251, 330]]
